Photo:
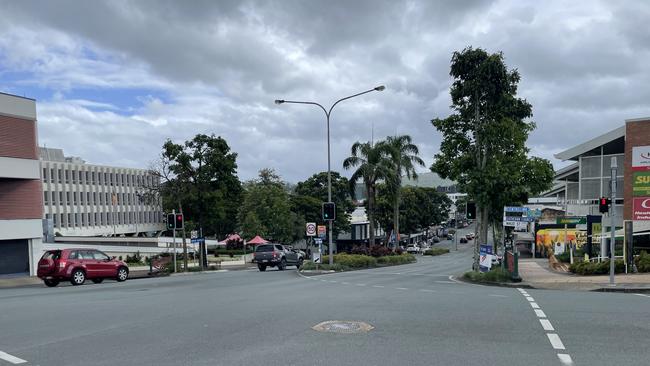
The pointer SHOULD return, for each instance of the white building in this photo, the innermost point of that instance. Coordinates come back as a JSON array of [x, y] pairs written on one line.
[[83, 199]]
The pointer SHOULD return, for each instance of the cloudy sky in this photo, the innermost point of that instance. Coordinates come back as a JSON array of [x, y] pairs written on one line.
[[114, 79]]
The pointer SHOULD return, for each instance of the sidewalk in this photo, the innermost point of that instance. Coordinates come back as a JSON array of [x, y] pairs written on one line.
[[537, 274]]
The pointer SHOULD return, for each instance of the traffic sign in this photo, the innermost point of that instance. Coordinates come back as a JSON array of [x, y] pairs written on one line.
[[194, 234], [519, 218], [322, 230], [570, 220], [311, 229], [197, 240], [515, 209], [315, 257], [318, 241]]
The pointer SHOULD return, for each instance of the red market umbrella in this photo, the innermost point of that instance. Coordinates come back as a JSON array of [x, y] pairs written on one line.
[[234, 237], [257, 240]]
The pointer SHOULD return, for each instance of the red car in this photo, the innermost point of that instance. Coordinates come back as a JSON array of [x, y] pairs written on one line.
[[77, 265]]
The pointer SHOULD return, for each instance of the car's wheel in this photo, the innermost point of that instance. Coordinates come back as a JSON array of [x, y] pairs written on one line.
[[78, 277], [261, 267], [122, 274], [299, 263], [97, 280], [51, 282], [282, 265]]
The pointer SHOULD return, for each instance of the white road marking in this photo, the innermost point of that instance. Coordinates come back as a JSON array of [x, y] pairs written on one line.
[[401, 288], [494, 295], [425, 290], [555, 340], [334, 281], [9, 358], [345, 283], [642, 295], [444, 282], [540, 313], [378, 286], [534, 305], [546, 324], [530, 298], [565, 359], [521, 290], [361, 284]]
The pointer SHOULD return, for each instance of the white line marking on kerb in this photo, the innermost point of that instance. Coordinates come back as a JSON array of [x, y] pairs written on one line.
[[555, 340], [546, 324], [540, 313], [9, 358], [534, 305], [642, 295], [565, 359]]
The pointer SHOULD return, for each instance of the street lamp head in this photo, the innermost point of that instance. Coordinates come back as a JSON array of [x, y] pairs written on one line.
[[279, 101], [380, 88]]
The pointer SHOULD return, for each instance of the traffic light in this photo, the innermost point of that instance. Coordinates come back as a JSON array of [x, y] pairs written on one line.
[[471, 211], [171, 222], [603, 204], [179, 221], [329, 211]]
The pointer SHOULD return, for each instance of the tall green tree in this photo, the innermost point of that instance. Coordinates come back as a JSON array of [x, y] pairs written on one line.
[[484, 140], [372, 164], [266, 210], [420, 207], [310, 194], [200, 179], [404, 158]]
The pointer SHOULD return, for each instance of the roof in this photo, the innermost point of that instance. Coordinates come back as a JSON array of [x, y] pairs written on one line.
[[574, 152], [567, 171]]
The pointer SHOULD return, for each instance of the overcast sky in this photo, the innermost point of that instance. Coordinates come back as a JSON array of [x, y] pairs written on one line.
[[114, 79]]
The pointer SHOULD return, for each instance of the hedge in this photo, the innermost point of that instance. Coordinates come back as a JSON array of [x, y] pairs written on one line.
[[495, 275], [436, 251], [344, 261], [595, 268]]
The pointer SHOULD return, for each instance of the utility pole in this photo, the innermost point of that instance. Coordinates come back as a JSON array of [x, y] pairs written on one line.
[[174, 242], [612, 216]]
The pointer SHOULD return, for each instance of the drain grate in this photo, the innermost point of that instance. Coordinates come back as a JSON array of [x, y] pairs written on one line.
[[343, 326]]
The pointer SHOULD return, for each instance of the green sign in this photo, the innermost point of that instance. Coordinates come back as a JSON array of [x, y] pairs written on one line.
[[571, 220], [641, 184]]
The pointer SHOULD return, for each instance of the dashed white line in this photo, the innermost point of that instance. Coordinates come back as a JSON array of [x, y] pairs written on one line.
[[334, 281], [444, 282], [9, 358], [361, 284], [345, 283], [540, 313], [565, 359], [425, 290], [546, 324], [530, 298], [534, 305], [495, 295], [401, 288], [378, 286], [555, 340]]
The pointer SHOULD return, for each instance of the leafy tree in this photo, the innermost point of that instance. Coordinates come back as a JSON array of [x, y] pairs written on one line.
[[483, 146], [310, 194], [204, 181], [266, 211], [404, 157], [372, 164], [420, 208]]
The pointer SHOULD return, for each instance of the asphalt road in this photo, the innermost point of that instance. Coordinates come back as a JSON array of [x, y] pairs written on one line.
[[419, 315]]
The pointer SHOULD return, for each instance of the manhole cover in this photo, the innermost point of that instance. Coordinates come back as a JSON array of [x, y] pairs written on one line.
[[342, 326]]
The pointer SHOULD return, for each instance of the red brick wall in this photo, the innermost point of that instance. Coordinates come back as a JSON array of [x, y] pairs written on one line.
[[21, 199], [18, 138], [636, 134]]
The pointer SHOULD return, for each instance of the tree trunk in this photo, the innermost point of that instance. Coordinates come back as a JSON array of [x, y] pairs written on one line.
[[371, 218]]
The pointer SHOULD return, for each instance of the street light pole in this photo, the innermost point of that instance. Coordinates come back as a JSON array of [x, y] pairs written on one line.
[[329, 167], [612, 215]]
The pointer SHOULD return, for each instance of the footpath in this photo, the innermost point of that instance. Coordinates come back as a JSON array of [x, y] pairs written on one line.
[[537, 274]]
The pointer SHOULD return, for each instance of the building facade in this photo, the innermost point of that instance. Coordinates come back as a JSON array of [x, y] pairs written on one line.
[[21, 207], [83, 199]]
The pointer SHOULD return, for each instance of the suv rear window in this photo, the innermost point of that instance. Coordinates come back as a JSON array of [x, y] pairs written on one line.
[[52, 254], [264, 248]]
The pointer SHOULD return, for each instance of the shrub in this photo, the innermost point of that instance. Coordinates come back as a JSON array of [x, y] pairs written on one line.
[[135, 259], [358, 249], [436, 251], [595, 268], [380, 251], [495, 275], [310, 266], [643, 262], [399, 251]]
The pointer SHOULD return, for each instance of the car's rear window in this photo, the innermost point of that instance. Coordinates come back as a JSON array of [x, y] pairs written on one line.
[[264, 248], [52, 254]]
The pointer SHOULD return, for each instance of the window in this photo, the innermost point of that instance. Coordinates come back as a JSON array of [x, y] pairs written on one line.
[[86, 254], [70, 223], [52, 175], [46, 197], [88, 198], [67, 197], [93, 177], [74, 198], [100, 256], [74, 177], [76, 220], [74, 255], [94, 198], [60, 198], [83, 219], [67, 176], [60, 174], [54, 220], [44, 174]]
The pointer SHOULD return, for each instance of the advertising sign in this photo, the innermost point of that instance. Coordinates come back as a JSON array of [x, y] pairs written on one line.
[[571, 220], [641, 208], [640, 158], [322, 230], [641, 184], [310, 229], [485, 258]]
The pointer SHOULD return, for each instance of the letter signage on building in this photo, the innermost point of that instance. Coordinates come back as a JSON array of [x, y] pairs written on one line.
[[641, 183], [641, 208]]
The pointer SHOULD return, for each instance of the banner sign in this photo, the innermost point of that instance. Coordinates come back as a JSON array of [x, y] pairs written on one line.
[[640, 158], [485, 258], [322, 231], [641, 209], [641, 184]]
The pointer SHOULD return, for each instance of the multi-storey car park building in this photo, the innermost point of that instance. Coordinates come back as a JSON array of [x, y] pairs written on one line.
[[21, 207], [83, 199]]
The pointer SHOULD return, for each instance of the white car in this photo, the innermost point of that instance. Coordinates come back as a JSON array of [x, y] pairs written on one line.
[[413, 249]]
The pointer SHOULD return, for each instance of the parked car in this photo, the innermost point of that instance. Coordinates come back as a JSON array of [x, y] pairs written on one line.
[[77, 265], [470, 236], [413, 249], [276, 255], [450, 236], [463, 240]]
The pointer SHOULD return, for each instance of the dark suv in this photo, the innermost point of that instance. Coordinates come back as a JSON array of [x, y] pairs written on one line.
[[77, 265], [276, 255]]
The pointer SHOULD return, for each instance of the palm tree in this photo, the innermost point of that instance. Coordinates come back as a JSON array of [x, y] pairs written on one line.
[[404, 157], [371, 165]]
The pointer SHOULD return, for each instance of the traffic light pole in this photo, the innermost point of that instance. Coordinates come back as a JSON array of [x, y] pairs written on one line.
[[612, 215], [174, 241]]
